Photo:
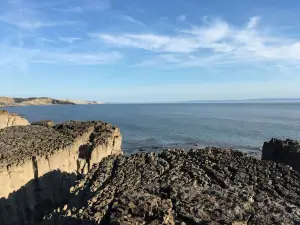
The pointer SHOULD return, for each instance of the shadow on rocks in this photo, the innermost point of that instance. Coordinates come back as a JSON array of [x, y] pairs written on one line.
[[36, 199]]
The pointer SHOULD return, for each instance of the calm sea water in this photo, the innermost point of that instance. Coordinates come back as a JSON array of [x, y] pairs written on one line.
[[154, 126]]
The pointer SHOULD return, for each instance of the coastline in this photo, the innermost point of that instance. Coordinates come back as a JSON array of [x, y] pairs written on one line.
[[65, 181]]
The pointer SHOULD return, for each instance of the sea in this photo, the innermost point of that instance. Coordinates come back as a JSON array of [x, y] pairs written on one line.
[[153, 127]]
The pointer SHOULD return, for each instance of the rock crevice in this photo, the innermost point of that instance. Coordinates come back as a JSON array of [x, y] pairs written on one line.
[[178, 187]]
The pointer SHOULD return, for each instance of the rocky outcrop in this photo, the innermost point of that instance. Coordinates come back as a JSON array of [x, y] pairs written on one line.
[[11, 119], [211, 186], [287, 152], [45, 123], [29, 152], [38, 165]]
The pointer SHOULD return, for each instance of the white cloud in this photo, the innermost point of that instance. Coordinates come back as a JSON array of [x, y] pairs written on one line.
[[21, 58], [70, 40], [215, 43], [181, 18], [26, 18], [132, 20], [253, 22], [151, 42]]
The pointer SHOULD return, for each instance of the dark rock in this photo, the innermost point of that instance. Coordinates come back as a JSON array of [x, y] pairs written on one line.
[[287, 152], [211, 186], [45, 123]]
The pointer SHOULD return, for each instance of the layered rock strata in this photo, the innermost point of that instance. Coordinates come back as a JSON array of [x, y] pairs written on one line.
[[11, 119], [38, 165], [211, 186], [29, 152], [287, 152]]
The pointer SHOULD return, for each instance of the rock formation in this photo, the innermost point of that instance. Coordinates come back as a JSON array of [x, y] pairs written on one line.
[[29, 152], [211, 186], [11, 119], [45, 123], [287, 152], [38, 164]]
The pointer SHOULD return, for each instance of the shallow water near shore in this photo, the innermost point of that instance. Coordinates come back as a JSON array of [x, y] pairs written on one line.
[[156, 126]]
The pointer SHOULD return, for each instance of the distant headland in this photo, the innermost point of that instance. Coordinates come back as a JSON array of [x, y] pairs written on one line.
[[11, 101]]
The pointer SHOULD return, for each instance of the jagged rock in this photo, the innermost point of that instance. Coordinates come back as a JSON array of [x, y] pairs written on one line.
[[11, 119], [211, 186], [45, 123], [287, 152]]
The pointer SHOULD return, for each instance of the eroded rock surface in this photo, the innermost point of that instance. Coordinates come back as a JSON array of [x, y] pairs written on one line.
[[11, 119], [45, 123], [287, 152], [38, 165], [28, 152], [211, 186]]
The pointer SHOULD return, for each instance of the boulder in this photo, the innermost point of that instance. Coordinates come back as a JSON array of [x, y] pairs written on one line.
[[8, 119], [208, 186], [287, 152]]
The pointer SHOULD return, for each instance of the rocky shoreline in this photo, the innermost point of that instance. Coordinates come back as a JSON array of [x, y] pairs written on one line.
[[46, 179]]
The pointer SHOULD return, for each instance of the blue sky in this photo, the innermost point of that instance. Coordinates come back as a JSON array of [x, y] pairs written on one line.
[[143, 51]]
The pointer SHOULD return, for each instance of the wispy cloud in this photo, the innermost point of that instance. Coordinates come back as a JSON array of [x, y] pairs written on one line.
[[132, 20], [69, 40], [181, 18], [216, 43], [21, 58], [85, 6]]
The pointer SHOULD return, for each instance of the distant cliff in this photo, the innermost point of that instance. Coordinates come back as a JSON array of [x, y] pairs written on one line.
[[8, 101]]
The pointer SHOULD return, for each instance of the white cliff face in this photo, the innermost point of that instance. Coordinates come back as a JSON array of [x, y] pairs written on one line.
[[10, 119]]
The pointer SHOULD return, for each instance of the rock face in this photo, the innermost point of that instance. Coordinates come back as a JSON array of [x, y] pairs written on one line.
[[11, 119], [287, 152], [29, 152], [38, 165], [210, 186]]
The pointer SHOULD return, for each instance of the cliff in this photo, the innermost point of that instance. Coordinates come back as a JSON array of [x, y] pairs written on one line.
[[11, 119], [210, 186], [7, 101], [38, 165], [28, 152]]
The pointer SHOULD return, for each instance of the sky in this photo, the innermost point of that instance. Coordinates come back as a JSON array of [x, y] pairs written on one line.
[[149, 51]]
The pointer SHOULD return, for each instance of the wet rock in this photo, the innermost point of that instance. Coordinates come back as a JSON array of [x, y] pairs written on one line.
[[287, 152], [211, 186]]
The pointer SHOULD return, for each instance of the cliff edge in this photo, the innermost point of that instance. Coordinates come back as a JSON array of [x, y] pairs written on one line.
[[29, 152], [11, 119]]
